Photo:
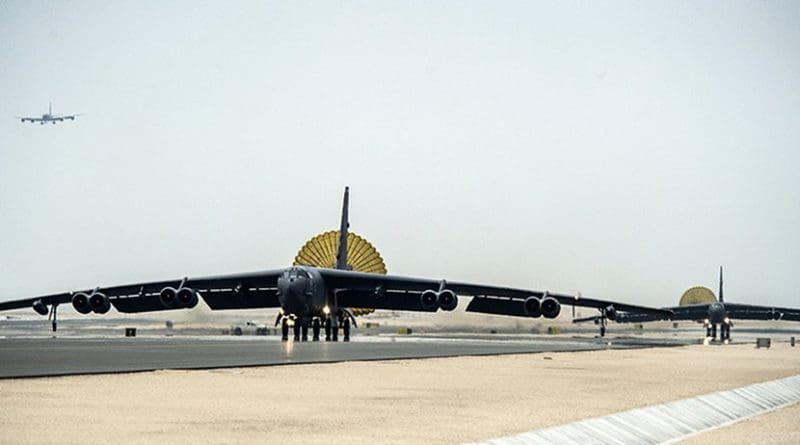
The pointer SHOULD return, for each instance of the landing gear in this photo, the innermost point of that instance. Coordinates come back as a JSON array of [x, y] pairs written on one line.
[[327, 329], [725, 332], [315, 325], [54, 317], [601, 321], [330, 322], [708, 331], [304, 329], [714, 331], [285, 329]]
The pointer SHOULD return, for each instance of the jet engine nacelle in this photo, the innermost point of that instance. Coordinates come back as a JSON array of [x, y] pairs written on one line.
[[40, 307], [168, 297], [80, 302], [550, 307], [99, 303], [611, 312], [533, 307], [447, 300], [429, 299], [187, 297]]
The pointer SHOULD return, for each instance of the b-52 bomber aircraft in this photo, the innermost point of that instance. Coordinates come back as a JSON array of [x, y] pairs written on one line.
[[711, 314], [49, 117], [311, 297]]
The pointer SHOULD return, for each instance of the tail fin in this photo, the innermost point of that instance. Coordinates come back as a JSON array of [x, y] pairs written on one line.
[[50, 109], [721, 299], [341, 253]]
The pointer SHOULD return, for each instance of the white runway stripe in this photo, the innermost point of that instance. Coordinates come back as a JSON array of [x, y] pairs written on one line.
[[668, 422]]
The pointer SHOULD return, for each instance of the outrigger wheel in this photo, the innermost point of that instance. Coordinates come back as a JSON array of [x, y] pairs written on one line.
[[320, 251]]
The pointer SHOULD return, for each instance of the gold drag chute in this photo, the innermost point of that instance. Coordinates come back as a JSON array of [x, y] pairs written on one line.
[[320, 251], [697, 295]]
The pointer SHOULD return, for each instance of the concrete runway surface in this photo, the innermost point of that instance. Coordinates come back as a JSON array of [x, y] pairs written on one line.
[[34, 357]]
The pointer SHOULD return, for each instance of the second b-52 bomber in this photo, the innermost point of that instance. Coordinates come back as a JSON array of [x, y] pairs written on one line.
[[711, 314], [316, 298], [49, 117]]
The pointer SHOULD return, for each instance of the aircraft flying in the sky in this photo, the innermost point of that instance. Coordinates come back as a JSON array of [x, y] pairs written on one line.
[[712, 314], [49, 117], [312, 297]]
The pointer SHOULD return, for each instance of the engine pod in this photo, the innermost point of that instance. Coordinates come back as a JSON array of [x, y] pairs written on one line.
[[168, 297], [187, 297], [429, 299], [99, 303], [448, 300], [80, 302], [550, 307], [533, 307], [611, 312], [40, 307]]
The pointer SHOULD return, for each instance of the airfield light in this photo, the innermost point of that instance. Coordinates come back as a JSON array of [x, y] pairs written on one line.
[[326, 310]]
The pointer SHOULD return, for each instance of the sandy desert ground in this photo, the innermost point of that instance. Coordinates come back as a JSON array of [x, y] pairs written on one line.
[[448, 400]]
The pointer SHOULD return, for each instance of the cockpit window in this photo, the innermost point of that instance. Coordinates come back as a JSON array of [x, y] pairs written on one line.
[[297, 273]]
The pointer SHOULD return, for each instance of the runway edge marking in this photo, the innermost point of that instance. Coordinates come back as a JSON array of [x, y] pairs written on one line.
[[669, 422]]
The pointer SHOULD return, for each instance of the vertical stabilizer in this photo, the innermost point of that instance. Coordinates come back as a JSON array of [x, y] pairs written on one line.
[[50, 109], [341, 252], [721, 299]]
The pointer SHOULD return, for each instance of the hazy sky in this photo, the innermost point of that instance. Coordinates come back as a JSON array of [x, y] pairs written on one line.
[[624, 150]]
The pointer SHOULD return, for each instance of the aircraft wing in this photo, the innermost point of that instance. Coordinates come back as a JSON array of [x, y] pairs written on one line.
[[29, 119], [239, 291], [733, 310], [753, 312], [403, 293], [688, 312]]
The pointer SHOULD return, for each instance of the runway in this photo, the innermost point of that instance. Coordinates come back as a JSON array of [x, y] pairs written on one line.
[[37, 357]]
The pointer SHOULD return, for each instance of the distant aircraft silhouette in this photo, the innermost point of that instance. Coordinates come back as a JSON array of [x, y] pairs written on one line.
[[49, 117], [712, 314]]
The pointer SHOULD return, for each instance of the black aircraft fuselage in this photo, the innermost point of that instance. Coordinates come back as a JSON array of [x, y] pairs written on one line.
[[716, 313], [302, 292]]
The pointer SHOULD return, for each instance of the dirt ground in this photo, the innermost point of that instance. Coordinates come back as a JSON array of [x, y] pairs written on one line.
[[447, 400]]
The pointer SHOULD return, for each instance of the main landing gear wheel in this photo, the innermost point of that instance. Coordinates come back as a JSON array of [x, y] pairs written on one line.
[[304, 330], [315, 329], [346, 330], [297, 330], [285, 329], [327, 329]]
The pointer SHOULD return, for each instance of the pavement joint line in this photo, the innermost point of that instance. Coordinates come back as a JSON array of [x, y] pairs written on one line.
[[668, 422]]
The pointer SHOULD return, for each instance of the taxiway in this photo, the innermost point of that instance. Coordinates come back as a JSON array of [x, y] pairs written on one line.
[[35, 357]]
